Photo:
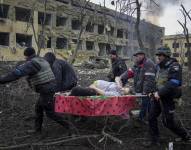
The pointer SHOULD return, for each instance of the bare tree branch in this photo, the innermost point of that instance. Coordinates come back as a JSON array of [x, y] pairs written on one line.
[[187, 13], [186, 34], [41, 40], [83, 14], [138, 4], [155, 3]]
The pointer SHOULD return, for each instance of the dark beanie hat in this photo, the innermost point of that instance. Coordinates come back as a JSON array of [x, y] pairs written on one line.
[[50, 57], [113, 52], [29, 51]]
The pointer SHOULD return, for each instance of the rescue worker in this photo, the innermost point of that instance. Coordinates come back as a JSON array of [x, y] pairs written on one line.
[[143, 73], [41, 79], [64, 73], [118, 66], [169, 80]]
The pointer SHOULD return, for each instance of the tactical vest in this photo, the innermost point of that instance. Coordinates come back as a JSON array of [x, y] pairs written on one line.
[[45, 74], [161, 77]]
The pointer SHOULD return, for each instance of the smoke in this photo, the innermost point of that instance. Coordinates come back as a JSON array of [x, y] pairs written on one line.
[[155, 8]]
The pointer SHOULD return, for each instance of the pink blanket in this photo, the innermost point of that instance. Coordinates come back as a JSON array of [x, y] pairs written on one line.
[[94, 106]]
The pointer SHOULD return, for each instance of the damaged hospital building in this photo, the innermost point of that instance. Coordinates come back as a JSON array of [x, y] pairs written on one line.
[[104, 29]]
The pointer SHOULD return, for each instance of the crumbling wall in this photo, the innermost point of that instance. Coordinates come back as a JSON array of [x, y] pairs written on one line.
[[62, 21]]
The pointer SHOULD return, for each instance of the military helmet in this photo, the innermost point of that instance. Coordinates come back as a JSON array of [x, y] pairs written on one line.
[[164, 51], [140, 51]]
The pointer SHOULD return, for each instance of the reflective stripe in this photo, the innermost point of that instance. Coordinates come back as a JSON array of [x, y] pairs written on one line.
[[43, 77], [149, 74], [177, 82], [171, 111], [45, 74]]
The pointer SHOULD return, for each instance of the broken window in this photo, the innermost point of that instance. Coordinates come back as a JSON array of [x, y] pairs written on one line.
[[4, 38], [90, 27], [44, 18], [100, 29], [48, 44], [120, 33], [61, 21], [75, 42], [61, 43], [186, 45], [175, 54], [24, 40], [186, 54], [4, 11], [22, 14], [89, 45], [75, 24], [175, 45], [63, 1]]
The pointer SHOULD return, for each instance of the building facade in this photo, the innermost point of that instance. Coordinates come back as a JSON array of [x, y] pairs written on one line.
[[178, 45], [60, 21]]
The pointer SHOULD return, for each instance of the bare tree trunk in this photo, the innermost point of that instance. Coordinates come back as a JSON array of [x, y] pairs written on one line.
[[31, 23], [188, 50], [186, 33], [138, 5], [72, 58], [35, 37], [41, 40], [82, 27]]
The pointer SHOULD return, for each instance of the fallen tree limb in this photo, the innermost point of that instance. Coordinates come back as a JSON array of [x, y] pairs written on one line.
[[48, 143], [93, 145], [112, 137], [21, 137]]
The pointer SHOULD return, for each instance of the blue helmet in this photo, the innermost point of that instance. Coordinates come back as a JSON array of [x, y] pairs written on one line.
[[164, 51]]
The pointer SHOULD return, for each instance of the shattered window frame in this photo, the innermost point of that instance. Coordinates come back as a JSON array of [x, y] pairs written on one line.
[[48, 20], [61, 43], [22, 14], [61, 21], [90, 45], [4, 38], [4, 8], [24, 38]]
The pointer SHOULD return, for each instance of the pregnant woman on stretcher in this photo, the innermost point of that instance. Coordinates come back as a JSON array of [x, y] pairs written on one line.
[[101, 87]]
